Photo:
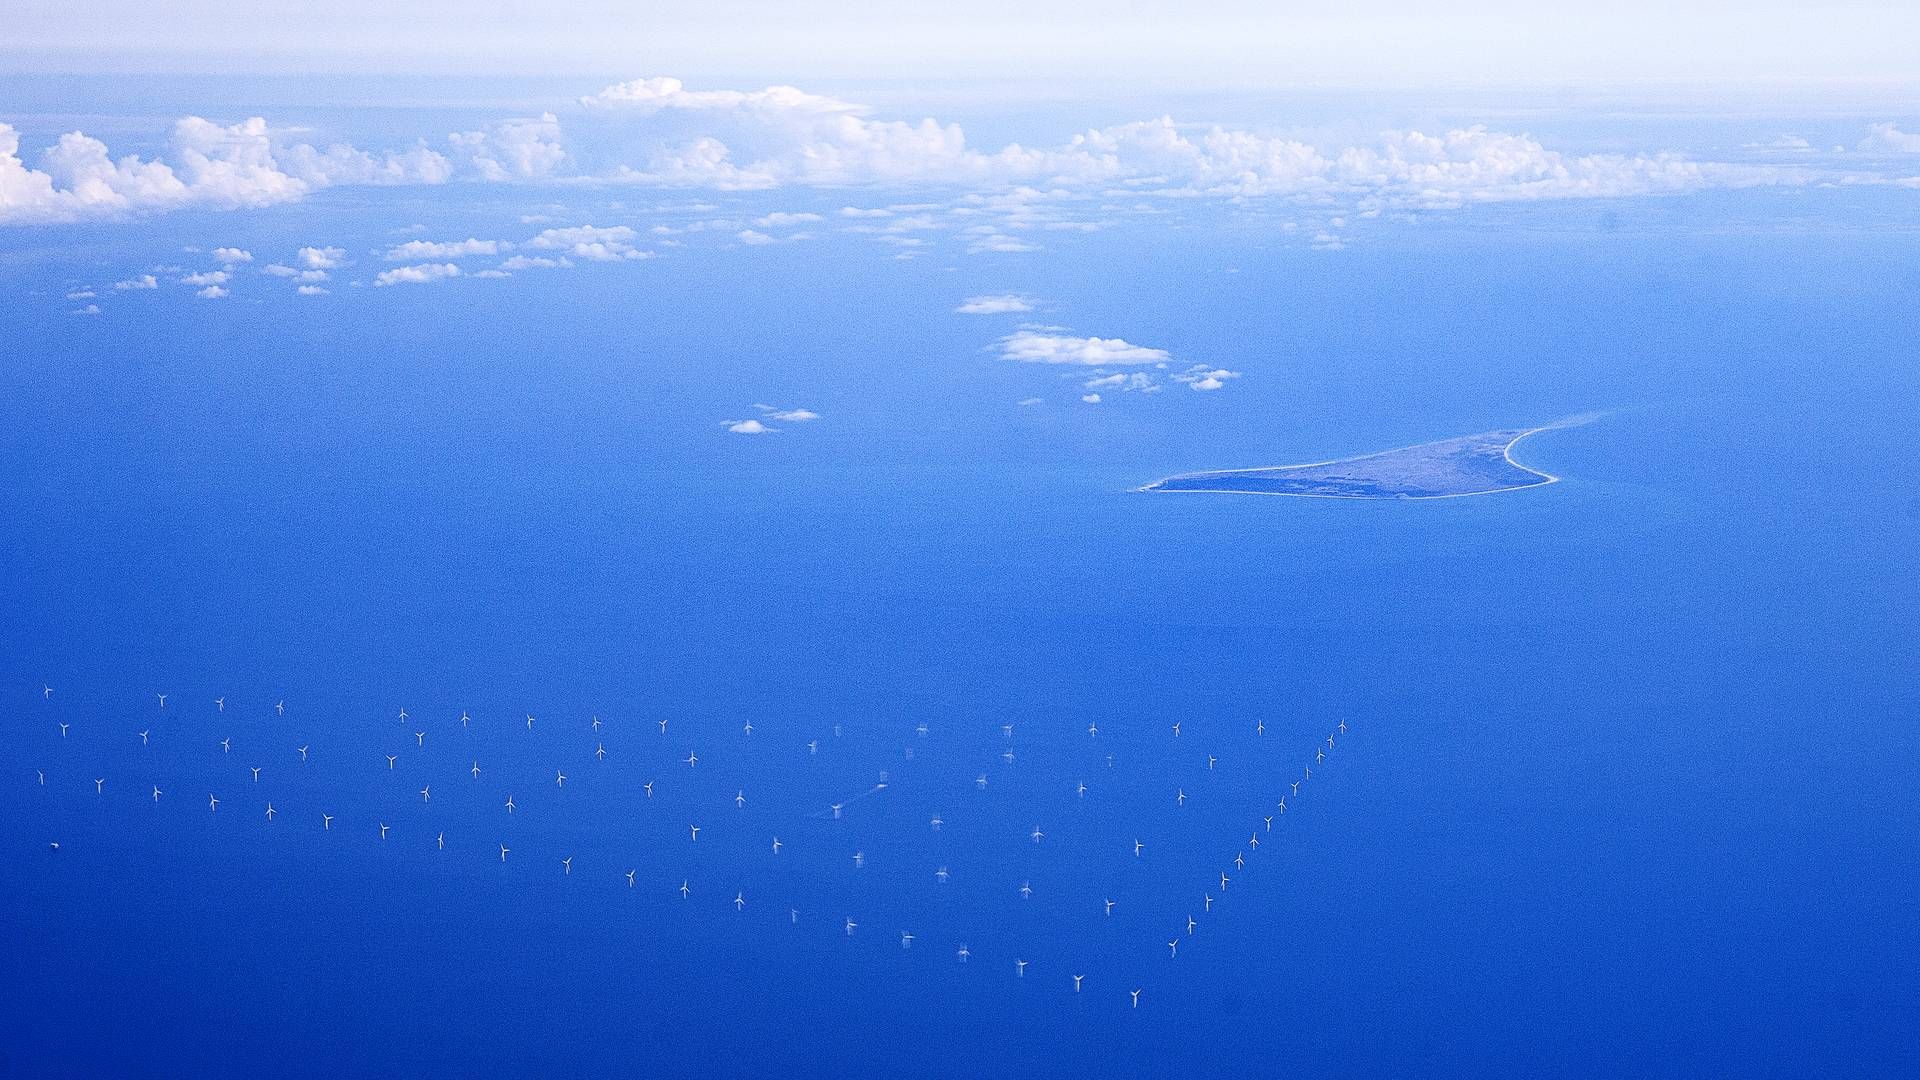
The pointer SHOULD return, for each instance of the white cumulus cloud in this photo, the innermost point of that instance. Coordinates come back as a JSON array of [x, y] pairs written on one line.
[[322, 258], [994, 305], [205, 164], [590, 242], [1887, 138], [792, 416], [1036, 347], [1202, 377], [423, 274], [428, 249], [780, 220]]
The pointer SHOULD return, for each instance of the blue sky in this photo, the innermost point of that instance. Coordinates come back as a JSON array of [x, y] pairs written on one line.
[[1236, 42]]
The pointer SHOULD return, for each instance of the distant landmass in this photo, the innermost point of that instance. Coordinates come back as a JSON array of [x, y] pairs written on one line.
[[1470, 465]]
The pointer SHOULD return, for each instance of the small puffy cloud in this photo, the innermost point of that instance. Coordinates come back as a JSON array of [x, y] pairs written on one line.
[[533, 262], [1889, 139], [794, 416], [1202, 377], [590, 242], [755, 239], [998, 242], [994, 305], [423, 274], [210, 277], [322, 258], [428, 249], [860, 212], [1037, 347], [748, 427], [311, 290], [277, 270], [490, 274], [211, 292], [1128, 382], [143, 281], [81, 294], [1027, 402], [90, 309], [232, 256], [780, 220], [1091, 399]]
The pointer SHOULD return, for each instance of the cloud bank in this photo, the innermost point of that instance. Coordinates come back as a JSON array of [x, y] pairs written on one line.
[[657, 132]]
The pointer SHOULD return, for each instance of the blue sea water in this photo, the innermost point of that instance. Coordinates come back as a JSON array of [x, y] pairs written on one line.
[[1628, 788]]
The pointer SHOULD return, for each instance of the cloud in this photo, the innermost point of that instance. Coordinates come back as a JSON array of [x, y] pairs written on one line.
[[1028, 401], [423, 274], [754, 239], [311, 290], [1201, 377], [81, 294], [657, 132], [592, 243], [780, 220], [1789, 143], [211, 292], [1091, 399], [518, 149], [793, 416], [666, 93], [1887, 139], [239, 166], [1034, 347], [532, 262], [210, 277], [322, 258], [998, 242], [231, 256], [143, 281], [427, 249], [994, 305], [90, 309], [748, 427], [1126, 382]]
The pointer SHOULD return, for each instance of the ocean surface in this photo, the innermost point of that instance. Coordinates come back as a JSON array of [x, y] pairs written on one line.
[[1628, 786]]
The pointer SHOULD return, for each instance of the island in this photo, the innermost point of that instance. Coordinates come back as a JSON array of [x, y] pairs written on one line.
[[1468, 465]]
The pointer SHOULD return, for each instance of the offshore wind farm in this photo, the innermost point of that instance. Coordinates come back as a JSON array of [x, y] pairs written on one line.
[[636, 811]]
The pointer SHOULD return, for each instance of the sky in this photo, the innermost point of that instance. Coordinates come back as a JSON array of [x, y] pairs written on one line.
[[1235, 43]]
